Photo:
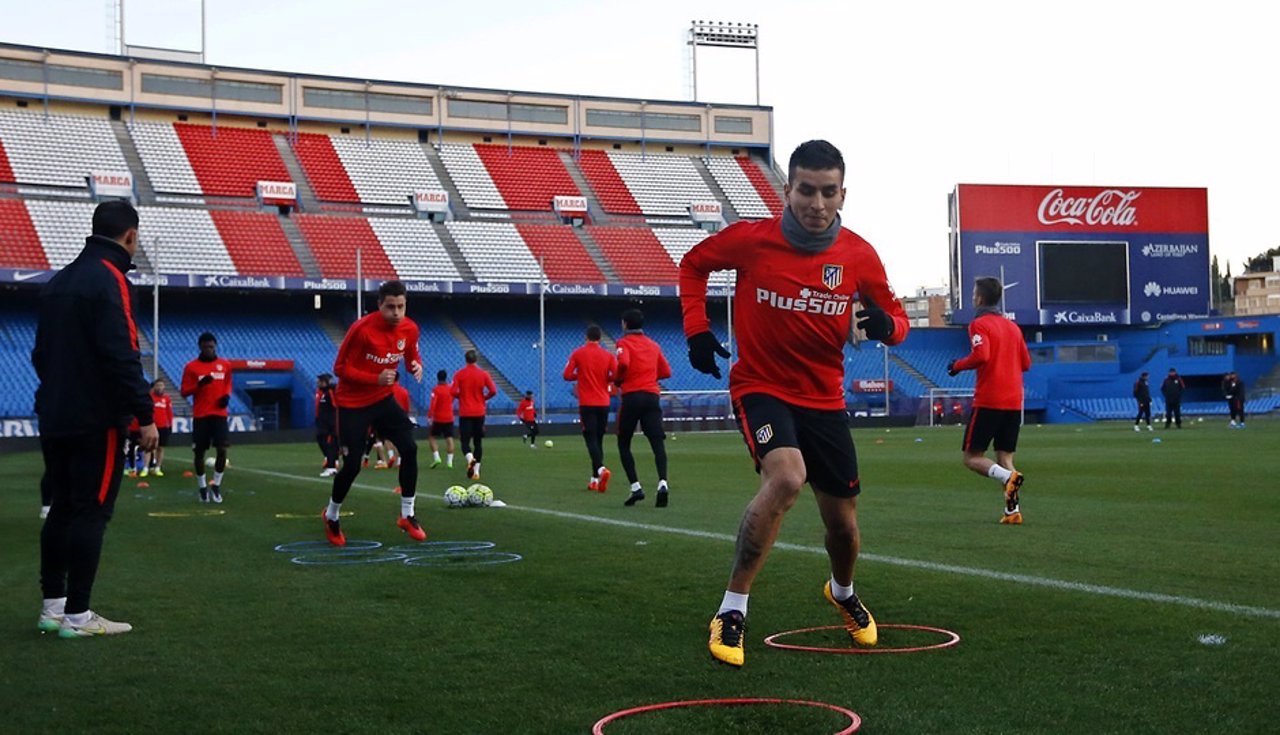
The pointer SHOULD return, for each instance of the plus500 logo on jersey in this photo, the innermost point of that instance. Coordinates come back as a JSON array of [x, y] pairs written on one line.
[[809, 302], [391, 358]]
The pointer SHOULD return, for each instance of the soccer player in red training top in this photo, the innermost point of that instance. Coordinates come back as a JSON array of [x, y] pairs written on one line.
[[366, 370], [473, 387], [641, 365], [527, 414], [440, 412], [999, 355], [594, 368], [799, 277], [164, 425], [207, 380]]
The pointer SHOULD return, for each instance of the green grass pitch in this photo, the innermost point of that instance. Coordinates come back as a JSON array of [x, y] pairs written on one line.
[[1088, 618]]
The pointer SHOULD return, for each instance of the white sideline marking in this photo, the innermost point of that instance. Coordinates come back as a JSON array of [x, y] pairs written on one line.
[[1025, 579]]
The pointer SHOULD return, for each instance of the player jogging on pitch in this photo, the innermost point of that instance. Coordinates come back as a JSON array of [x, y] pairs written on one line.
[[999, 355], [154, 461], [799, 277], [641, 365], [366, 369], [527, 414], [474, 388], [207, 381], [594, 368], [440, 413]]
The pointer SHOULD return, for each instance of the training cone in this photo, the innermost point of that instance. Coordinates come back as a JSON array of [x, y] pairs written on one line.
[[144, 484], [188, 473]]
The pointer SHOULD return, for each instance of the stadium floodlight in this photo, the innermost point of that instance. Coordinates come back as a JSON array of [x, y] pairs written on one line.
[[724, 35]]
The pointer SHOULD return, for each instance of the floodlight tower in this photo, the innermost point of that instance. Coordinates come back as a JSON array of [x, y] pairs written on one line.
[[724, 35]]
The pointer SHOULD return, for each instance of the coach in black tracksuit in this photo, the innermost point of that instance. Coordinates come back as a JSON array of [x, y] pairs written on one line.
[[86, 357]]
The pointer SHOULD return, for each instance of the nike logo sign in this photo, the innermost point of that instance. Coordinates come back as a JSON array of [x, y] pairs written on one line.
[[20, 276]]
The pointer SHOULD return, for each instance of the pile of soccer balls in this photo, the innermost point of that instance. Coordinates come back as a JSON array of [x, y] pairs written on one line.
[[476, 495]]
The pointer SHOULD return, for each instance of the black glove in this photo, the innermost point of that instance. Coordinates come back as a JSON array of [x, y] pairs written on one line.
[[875, 322], [204, 380], [223, 401], [951, 369], [703, 348]]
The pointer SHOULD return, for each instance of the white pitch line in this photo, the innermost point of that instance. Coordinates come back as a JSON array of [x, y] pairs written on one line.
[[1025, 579]]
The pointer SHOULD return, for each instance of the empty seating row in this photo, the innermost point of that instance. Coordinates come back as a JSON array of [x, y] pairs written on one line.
[[636, 254], [661, 184], [495, 251], [469, 174], [527, 178], [182, 158], [57, 150], [19, 242], [731, 175]]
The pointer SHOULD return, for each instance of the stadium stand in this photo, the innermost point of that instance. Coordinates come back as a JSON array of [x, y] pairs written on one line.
[[17, 336], [164, 158], [766, 191], [19, 242], [414, 249], [604, 179], [335, 240], [58, 150], [182, 241], [230, 161], [678, 240], [495, 251], [933, 365], [6, 171], [63, 227], [375, 171], [324, 168], [730, 174], [256, 243], [527, 178], [469, 174], [561, 253], [661, 184], [636, 254]]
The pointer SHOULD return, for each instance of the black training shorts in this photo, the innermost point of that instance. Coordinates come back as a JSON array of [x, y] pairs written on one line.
[[441, 429], [987, 425], [822, 437], [209, 431]]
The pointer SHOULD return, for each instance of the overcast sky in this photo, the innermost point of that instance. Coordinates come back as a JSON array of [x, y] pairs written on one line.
[[920, 96]]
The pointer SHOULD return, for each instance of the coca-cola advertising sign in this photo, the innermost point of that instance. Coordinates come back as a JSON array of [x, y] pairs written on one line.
[[1000, 208], [1107, 207]]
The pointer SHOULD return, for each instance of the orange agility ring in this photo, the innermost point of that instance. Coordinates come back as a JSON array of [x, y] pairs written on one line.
[[855, 721], [953, 638]]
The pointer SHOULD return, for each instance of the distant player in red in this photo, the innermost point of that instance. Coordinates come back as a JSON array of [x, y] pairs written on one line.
[[474, 388], [154, 463], [594, 368], [799, 278], [999, 355], [641, 365], [207, 381], [366, 368], [440, 413], [527, 414], [327, 424], [132, 449]]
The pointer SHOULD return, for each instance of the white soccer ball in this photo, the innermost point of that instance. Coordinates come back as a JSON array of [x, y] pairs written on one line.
[[208, 461], [457, 496], [479, 494], [548, 444]]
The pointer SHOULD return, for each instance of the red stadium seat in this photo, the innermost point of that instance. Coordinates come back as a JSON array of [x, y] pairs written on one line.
[[19, 242], [256, 243], [6, 173], [765, 189], [334, 241], [527, 177], [636, 254], [564, 260], [324, 168], [609, 187], [232, 161]]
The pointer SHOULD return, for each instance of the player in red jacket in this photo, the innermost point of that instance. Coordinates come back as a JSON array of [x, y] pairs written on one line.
[[207, 381], [799, 280], [527, 414], [440, 414], [154, 463], [594, 368], [999, 355], [366, 368], [641, 365], [474, 388]]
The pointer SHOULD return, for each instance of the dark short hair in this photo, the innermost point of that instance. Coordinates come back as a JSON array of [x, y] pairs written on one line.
[[633, 318], [207, 337], [989, 289], [441, 376], [528, 393], [391, 288], [815, 155], [470, 356], [1145, 373], [113, 218], [156, 382], [324, 376], [594, 333]]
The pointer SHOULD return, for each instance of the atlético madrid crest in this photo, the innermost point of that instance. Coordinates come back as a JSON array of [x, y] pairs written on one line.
[[832, 276], [399, 344]]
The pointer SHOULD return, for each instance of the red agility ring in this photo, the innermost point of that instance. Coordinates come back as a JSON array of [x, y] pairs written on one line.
[[855, 721], [953, 639]]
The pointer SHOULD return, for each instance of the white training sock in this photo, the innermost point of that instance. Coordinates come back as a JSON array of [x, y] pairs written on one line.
[[839, 591], [477, 469], [662, 486], [449, 461], [734, 601], [406, 507], [999, 473], [470, 456], [635, 487], [54, 605], [435, 456], [333, 512], [200, 482], [217, 479]]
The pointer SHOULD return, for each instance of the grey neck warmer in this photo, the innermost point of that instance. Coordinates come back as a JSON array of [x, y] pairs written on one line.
[[804, 241], [982, 310]]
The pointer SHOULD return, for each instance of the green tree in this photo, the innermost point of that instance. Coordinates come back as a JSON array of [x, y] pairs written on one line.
[[1262, 263]]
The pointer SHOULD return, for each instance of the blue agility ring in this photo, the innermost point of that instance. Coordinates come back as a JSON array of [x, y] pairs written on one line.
[[317, 546], [429, 548], [463, 559], [344, 558]]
